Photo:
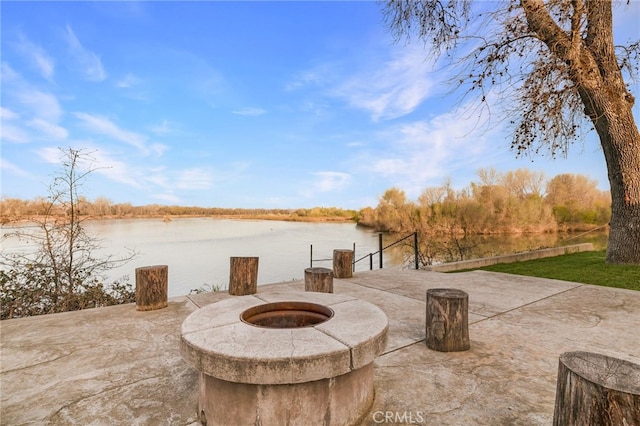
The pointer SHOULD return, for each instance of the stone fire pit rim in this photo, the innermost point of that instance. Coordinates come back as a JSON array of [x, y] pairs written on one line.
[[215, 341]]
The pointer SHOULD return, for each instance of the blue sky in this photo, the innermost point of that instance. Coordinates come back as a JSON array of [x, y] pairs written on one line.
[[242, 104]]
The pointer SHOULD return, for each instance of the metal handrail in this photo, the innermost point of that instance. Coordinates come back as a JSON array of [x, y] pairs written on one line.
[[379, 252], [382, 249]]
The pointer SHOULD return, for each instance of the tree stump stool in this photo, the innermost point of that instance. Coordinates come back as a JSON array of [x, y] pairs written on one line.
[[447, 320], [152, 287], [318, 279], [243, 276], [343, 263], [595, 389]]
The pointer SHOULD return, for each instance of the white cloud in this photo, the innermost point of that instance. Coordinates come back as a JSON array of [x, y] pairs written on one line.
[[326, 182], [102, 164], [90, 63], [128, 81], [7, 114], [251, 112], [393, 89], [49, 130], [10, 131], [13, 134], [168, 197], [423, 153], [196, 178], [37, 56], [162, 128], [106, 127], [118, 171], [315, 77], [33, 113], [11, 168], [8, 74], [43, 105]]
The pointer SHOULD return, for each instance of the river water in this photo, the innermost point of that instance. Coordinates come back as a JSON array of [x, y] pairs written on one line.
[[198, 250]]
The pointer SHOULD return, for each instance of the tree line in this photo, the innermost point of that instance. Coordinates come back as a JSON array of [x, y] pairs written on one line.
[[520, 201], [15, 209]]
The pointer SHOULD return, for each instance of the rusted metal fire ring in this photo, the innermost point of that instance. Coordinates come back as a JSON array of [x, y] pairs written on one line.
[[289, 314]]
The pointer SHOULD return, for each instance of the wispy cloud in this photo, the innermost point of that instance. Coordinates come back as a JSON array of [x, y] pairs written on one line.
[[11, 132], [49, 155], [168, 197], [89, 62], [103, 125], [194, 179], [250, 112], [423, 153], [8, 74], [11, 168], [15, 134], [326, 181], [48, 129], [162, 128], [37, 56], [117, 170], [394, 89], [128, 81], [7, 114], [34, 114], [313, 77], [43, 105], [385, 88]]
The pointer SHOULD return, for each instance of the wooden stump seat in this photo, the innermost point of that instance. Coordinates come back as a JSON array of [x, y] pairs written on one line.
[[447, 324], [152, 287], [243, 276], [595, 389], [318, 279], [343, 263]]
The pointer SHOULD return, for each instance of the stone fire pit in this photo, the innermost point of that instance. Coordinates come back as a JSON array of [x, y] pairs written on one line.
[[285, 358]]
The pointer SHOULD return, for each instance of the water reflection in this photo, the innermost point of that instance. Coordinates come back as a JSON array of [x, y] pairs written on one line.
[[478, 246], [197, 250]]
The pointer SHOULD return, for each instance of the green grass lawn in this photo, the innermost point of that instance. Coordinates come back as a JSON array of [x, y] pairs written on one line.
[[586, 267]]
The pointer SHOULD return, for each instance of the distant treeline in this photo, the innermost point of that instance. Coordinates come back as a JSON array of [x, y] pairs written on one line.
[[511, 202], [14, 209], [498, 203]]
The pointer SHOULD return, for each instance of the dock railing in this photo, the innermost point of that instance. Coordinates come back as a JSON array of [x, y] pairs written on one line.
[[380, 252]]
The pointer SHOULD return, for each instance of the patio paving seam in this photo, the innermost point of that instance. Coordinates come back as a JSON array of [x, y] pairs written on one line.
[[526, 304]]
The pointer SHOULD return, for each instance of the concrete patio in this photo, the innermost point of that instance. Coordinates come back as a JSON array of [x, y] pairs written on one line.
[[119, 366]]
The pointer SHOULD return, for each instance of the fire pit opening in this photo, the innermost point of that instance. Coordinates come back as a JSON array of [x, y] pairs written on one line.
[[286, 315]]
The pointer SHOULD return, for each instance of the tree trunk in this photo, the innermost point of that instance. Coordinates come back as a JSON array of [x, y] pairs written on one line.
[[594, 71], [343, 263], [318, 279], [595, 389], [609, 108], [621, 145], [447, 324], [243, 276], [152, 285]]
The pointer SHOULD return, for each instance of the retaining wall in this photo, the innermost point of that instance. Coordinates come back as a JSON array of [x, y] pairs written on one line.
[[510, 258]]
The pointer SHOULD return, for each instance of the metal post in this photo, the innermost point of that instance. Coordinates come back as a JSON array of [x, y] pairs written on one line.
[[311, 256], [371, 261], [353, 265], [380, 248], [415, 247]]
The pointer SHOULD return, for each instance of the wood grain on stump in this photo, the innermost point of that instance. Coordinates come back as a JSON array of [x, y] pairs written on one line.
[[152, 286], [318, 279], [596, 389], [343, 263], [447, 320], [243, 276]]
